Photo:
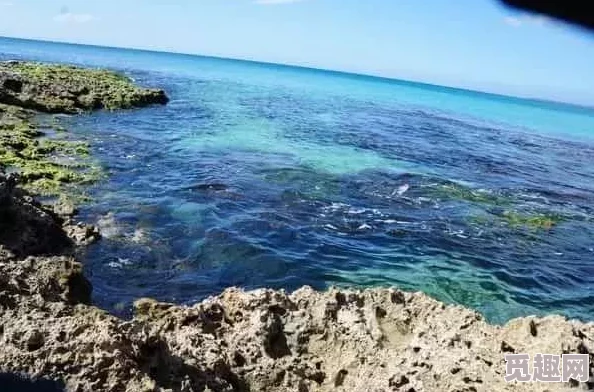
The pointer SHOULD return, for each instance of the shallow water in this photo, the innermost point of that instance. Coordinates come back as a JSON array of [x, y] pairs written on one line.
[[262, 175]]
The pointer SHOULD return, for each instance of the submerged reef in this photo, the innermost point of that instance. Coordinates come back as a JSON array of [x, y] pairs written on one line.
[[502, 209], [53, 338], [532, 221], [454, 191]]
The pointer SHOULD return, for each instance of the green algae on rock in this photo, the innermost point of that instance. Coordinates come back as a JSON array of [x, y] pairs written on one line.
[[453, 191], [532, 221], [37, 160], [68, 89], [520, 220], [492, 200]]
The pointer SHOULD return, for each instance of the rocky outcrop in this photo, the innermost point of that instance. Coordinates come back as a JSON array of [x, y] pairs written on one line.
[[66, 89], [372, 340], [339, 340], [29, 228]]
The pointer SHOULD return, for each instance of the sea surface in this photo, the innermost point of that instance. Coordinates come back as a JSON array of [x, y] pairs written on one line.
[[261, 175]]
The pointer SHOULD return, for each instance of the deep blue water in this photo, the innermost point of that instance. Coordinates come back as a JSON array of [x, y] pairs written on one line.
[[261, 175]]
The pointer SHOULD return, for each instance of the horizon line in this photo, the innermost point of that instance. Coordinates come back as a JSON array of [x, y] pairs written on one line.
[[533, 99]]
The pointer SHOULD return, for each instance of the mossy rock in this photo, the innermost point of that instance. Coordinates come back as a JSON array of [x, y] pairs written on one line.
[[37, 160], [68, 89]]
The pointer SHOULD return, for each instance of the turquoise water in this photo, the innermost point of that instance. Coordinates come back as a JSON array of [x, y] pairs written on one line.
[[266, 175]]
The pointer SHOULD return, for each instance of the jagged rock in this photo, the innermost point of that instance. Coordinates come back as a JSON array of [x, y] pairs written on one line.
[[269, 340], [81, 234], [10, 83]]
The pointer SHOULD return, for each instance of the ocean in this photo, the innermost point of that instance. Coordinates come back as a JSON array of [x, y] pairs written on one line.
[[262, 175]]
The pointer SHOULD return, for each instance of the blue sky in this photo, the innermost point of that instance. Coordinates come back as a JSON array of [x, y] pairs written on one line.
[[475, 44]]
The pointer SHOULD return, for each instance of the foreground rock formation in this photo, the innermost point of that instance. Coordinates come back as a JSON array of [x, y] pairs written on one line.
[[53, 339]]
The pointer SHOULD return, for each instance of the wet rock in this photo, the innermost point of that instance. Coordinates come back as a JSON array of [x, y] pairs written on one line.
[[65, 208], [81, 234]]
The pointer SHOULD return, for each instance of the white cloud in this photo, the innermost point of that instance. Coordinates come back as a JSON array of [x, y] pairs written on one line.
[[525, 20], [273, 2], [72, 18], [512, 21]]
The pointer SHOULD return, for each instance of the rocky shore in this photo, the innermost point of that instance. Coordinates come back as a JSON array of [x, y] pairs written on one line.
[[54, 339]]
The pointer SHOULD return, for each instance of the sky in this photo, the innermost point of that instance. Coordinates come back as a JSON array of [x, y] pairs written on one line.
[[476, 44]]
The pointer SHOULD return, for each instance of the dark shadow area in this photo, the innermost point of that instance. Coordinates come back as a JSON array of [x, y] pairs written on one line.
[[26, 228], [169, 371], [16, 383], [573, 11]]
